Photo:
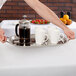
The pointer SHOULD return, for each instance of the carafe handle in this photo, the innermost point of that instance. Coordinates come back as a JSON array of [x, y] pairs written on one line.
[[16, 31]]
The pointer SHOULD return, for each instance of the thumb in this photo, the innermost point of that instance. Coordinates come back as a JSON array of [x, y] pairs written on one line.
[[1, 38]]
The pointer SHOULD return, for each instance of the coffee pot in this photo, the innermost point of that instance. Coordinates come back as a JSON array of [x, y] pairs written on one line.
[[24, 32]]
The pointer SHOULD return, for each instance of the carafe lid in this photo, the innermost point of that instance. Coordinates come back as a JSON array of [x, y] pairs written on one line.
[[24, 21]]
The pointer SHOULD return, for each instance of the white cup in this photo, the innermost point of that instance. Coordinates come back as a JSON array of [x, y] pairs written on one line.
[[53, 35], [40, 35]]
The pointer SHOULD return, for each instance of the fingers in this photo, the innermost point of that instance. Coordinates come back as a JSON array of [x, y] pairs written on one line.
[[1, 38], [5, 39], [71, 36]]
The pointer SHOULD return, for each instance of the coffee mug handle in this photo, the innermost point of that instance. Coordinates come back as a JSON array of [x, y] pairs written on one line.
[[63, 36], [46, 38], [16, 30]]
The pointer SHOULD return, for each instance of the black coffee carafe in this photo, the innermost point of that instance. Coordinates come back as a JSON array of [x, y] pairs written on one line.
[[24, 32]]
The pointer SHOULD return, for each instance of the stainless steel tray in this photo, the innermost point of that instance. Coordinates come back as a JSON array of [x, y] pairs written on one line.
[[14, 40]]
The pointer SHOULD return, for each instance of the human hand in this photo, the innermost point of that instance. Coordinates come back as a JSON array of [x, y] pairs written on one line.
[[2, 37], [69, 33]]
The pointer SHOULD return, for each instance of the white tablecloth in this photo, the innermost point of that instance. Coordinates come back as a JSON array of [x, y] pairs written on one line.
[[38, 61], [9, 27]]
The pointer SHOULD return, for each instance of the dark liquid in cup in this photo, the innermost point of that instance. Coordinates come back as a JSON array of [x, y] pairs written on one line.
[[24, 34]]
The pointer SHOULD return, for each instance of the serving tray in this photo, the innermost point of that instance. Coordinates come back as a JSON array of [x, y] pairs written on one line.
[[14, 40]]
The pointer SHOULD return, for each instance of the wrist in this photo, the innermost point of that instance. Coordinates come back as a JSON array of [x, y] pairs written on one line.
[[65, 27]]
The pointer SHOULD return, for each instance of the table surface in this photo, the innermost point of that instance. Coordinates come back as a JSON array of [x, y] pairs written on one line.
[[57, 60]]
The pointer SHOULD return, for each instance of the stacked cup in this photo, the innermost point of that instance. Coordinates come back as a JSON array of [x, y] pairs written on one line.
[[52, 35]]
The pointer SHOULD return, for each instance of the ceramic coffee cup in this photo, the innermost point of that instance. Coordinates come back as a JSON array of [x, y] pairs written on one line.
[[40, 35], [53, 35]]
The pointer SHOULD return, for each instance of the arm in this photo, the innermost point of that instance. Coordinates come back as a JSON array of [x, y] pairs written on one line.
[[49, 15]]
